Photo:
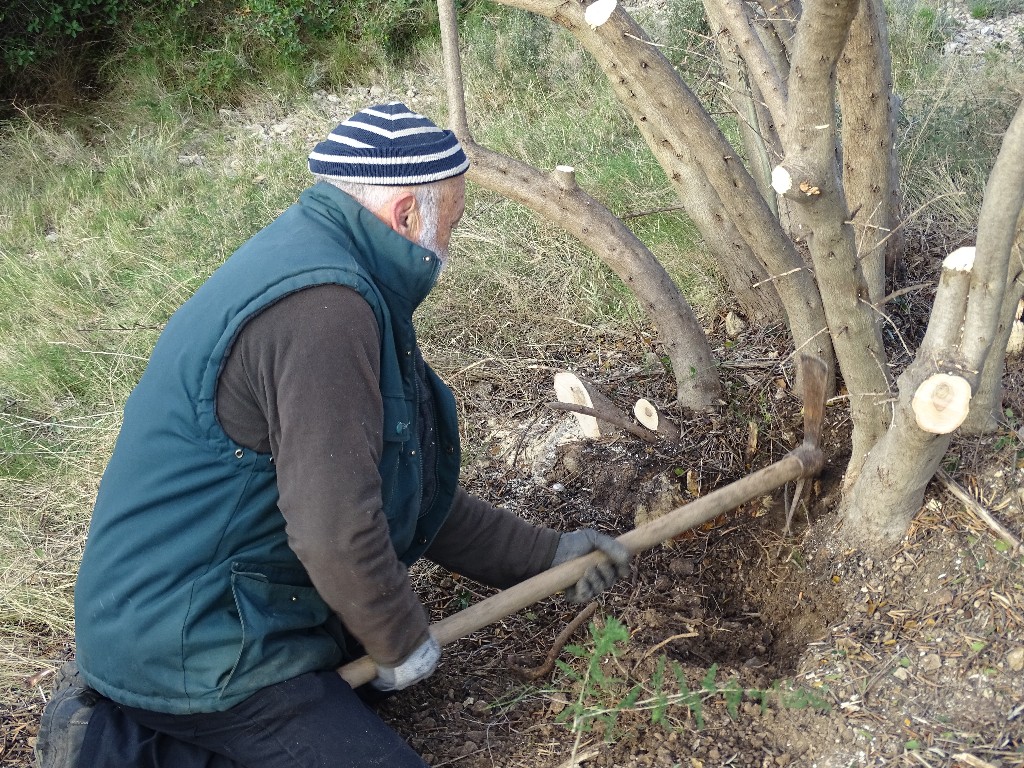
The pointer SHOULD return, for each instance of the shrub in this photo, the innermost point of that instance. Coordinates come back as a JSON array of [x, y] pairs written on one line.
[[202, 48]]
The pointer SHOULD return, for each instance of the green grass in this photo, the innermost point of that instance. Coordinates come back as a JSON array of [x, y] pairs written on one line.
[[995, 9]]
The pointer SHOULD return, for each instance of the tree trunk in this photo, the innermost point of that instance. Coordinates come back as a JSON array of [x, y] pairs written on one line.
[[682, 136], [959, 340], [743, 96], [870, 164], [809, 177], [987, 407], [890, 488], [1004, 195]]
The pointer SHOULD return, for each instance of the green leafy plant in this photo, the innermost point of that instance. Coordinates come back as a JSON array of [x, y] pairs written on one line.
[[601, 697]]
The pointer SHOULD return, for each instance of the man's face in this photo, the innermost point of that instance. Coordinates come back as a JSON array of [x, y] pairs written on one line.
[[452, 206]]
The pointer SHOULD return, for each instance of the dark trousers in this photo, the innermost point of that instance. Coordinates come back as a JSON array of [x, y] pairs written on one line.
[[312, 721]]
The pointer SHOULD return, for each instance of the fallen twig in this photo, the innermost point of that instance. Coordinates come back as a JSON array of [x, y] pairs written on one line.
[[973, 506], [612, 418], [545, 669]]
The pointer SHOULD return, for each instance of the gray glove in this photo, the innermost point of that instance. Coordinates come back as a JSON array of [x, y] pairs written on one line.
[[598, 577], [419, 665]]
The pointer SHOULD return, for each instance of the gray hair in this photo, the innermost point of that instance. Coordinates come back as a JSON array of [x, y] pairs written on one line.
[[374, 197]]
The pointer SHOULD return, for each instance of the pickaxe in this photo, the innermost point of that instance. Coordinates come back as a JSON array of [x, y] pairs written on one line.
[[806, 460]]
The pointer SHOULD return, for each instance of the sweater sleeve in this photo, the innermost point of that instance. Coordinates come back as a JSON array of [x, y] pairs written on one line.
[[303, 378], [491, 545]]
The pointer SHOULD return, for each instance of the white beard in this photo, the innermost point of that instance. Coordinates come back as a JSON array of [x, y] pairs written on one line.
[[428, 240]]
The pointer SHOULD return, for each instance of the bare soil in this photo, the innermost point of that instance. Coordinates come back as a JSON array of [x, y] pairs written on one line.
[[819, 656], [793, 650]]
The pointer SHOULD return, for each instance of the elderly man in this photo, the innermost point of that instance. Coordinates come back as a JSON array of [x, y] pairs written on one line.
[[284, 458]]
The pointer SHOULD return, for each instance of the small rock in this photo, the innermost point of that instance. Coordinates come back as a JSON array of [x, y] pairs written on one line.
[[662, 584], [52, 237], [784, 759], [734, 325], [376, 91], [1015, 659], [931, 662], [901, 674], [682, 566], [942, 597]]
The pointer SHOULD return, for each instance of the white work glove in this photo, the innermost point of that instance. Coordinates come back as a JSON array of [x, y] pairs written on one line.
[[419, 665], [598, 577]]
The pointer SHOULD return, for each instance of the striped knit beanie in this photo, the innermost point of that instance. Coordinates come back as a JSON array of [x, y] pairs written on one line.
[[388, 145]]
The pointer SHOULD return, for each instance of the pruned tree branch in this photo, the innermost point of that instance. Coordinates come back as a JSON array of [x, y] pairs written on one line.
[[942, 336], [649, 416], [614, 418]]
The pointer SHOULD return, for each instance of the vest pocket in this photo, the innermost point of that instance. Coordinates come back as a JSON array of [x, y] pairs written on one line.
[[395, 463], [283, 633]]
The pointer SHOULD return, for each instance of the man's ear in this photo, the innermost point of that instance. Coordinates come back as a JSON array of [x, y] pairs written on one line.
[[403, 215]]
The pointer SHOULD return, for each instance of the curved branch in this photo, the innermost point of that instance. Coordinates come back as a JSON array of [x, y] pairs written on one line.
[[560, 200], [680, 131]]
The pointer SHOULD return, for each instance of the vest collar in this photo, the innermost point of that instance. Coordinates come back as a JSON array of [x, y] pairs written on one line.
[[395, 263]]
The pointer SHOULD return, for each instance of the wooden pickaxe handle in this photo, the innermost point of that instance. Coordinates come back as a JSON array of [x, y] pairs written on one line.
[[805, 460]]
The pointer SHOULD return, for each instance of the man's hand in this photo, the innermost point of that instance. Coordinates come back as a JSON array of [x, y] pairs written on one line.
[[419, 665], [599, 577]]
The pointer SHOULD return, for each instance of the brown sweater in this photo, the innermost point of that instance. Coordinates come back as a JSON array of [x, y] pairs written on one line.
[[302, 382]]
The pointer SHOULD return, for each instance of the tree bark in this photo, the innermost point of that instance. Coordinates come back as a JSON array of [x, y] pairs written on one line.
[[783, 15], [890, 488], [743, 96], [870, 163], [809, 177], [681, 134], [559, 199], [959, 340], [1004, 194], [734, 17]]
